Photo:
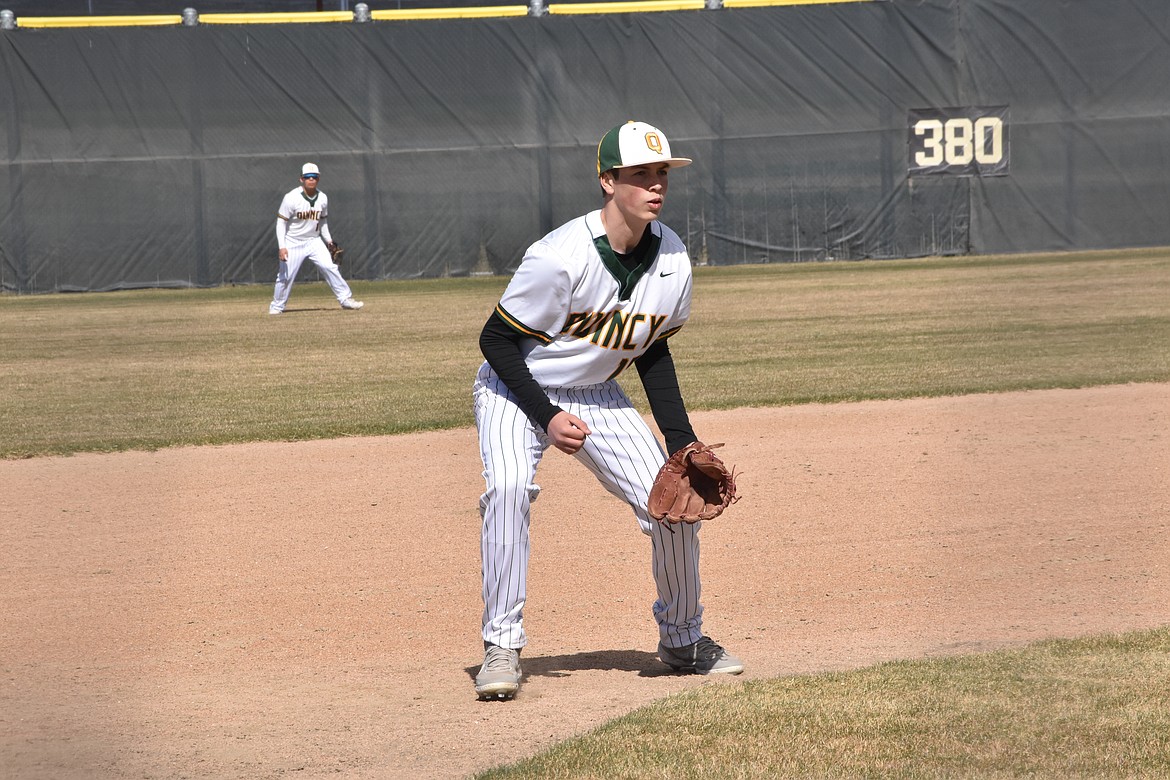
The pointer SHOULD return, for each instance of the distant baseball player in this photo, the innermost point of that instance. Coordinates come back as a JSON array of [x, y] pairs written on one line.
[[598, 295], [302, 233]]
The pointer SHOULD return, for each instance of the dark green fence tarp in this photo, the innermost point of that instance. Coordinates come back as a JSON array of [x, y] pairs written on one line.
[[157, 156]]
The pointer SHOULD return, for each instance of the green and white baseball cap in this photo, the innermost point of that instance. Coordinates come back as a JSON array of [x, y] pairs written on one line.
[[635, 143]]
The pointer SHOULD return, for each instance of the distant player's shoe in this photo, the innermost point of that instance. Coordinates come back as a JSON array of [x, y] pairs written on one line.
[[703, 657], [350, 303], [499, 677], [274, 310]]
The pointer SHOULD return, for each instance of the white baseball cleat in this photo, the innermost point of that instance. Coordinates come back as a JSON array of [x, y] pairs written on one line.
[[274, 310], [350, 303], [499, 677]]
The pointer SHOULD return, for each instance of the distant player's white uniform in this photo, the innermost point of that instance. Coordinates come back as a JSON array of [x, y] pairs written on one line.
[[301, 228], [587, 320]]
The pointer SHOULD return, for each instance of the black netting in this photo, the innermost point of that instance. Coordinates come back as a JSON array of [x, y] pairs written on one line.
[[138, 156]]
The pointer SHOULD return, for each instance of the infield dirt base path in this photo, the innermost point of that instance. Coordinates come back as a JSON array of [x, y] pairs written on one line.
[[279, 609]]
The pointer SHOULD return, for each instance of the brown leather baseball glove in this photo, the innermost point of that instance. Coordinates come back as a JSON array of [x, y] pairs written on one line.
[[334, 251], [692, 485]]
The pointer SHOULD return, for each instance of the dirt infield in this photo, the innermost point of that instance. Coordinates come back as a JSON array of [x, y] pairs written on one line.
[[274, 609]]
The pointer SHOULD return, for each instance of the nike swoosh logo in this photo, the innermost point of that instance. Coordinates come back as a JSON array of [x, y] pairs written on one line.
[[664, 273]]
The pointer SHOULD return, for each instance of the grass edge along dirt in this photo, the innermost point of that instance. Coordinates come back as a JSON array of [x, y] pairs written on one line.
[[148, 369], [1093, 707]]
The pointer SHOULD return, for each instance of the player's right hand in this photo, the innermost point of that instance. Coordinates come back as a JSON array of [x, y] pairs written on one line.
[[283, 255], [567, 433]]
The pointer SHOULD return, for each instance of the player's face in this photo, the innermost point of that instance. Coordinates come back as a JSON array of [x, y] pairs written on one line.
[[641, 191], [309, 183]]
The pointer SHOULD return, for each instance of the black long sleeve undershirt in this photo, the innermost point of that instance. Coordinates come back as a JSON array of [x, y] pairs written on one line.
[[500, 345], [656, 368]]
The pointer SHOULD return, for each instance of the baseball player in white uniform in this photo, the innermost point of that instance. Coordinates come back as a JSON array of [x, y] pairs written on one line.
[[302, 233], [594, 297]]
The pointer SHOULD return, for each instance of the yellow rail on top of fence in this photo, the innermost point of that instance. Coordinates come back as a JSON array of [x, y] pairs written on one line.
[[471, 12], [99, 21]]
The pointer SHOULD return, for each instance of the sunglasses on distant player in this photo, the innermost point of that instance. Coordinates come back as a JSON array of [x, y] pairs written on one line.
[[311, 176]]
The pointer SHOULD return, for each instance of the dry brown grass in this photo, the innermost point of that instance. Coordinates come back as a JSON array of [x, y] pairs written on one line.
[[1088, 708], [159, 368]]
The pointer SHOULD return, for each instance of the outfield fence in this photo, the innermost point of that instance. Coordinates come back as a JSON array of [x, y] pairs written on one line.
[[156, 155]]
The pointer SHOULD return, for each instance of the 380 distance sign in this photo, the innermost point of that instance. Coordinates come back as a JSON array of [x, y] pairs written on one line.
[[959, 141]]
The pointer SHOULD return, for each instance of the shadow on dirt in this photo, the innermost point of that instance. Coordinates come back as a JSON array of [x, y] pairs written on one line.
[[643, 663]]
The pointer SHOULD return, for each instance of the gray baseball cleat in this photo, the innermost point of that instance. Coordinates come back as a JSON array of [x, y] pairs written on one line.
[[499, 677], [702, 657]]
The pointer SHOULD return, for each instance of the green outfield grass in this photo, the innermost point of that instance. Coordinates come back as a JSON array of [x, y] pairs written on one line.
[[1086, 708], [159, 368]]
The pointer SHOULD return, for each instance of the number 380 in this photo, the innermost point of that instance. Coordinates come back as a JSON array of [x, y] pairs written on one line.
[[959, 141]]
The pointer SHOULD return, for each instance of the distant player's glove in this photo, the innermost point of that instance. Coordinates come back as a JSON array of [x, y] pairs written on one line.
[[334, 251], [692, 485]]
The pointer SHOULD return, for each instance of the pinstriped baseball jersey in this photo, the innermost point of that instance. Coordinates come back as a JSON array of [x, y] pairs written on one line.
[[586, 321]]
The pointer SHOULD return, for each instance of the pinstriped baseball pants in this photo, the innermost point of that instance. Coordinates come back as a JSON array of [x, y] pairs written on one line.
[[622, 454]]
